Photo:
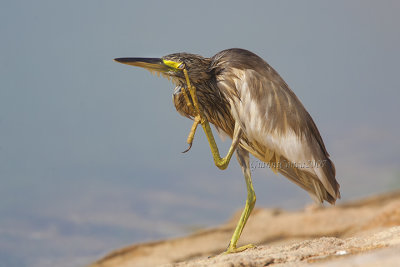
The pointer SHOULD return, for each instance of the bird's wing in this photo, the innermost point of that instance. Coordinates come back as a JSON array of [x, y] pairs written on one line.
[[277, 128]]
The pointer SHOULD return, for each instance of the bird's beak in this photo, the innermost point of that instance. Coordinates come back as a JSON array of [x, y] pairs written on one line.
[[158, 65], [152, 64]]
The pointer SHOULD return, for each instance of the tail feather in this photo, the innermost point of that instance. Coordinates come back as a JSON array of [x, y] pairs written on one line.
[[312, 184]]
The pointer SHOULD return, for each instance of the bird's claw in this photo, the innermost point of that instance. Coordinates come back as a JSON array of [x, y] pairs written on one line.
[[239, 249], [190, 138], [190, 146]]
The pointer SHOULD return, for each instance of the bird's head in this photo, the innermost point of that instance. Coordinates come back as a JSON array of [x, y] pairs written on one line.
[[172, 66]]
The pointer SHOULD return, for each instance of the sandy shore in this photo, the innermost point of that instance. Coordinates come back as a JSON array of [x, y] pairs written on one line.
[[359, 233]]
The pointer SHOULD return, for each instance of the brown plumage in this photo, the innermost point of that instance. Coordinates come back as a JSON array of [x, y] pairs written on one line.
[[236, 85], [246, 99]]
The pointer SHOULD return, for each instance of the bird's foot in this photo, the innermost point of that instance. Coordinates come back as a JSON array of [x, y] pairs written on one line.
[[231, 250], [190, 138], [239, 249]]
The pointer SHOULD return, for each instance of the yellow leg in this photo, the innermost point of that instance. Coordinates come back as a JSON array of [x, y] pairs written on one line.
[[243, 158], [197, 119], [221, 163], [185, 95], [190, 138]]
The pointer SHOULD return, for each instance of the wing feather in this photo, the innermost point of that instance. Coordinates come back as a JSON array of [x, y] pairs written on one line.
[[277, 127]]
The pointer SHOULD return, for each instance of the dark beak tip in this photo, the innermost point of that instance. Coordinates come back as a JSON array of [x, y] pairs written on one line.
[[153, 64], [138, 59], [119, 60]]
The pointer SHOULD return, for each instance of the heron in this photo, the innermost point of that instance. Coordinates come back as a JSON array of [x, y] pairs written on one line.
[[247, 100]]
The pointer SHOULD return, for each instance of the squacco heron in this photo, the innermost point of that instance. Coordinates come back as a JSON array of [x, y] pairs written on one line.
[[246, 99]]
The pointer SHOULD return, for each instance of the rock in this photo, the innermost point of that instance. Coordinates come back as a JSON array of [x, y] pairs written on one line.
[[360, 233]]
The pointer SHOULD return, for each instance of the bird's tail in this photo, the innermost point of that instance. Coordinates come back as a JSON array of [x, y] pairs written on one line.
[[312, 184]]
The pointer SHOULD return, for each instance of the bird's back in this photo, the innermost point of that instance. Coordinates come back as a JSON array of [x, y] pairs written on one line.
[[277, 128]]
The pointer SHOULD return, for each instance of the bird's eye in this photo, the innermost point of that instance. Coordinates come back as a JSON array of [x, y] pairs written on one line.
[[181, 66]]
